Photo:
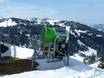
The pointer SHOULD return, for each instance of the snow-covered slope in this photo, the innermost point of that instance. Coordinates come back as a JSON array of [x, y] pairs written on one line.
[[99, 27], [19, 52], [64, 72], [90, 50], [76, 70], [7, 23], [52, 22]]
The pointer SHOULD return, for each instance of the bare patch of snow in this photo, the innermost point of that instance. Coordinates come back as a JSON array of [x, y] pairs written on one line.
[[73, 33], [80, 31], [98, 35], [19, 52], [8, 23], [80, 43], [77, 32], [90, 34], [61, 24], [89, 52], [52, 22]]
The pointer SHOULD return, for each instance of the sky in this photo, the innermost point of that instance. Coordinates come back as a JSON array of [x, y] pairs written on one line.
[[84, 11]]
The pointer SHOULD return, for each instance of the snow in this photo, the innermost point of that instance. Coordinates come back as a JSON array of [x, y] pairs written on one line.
[[57, 69], [90, 50], [99, 35], [61, 24], [44, 65], [39, 21], [99, 29], [95, 64], [28, 35], [90, 34], [73, 33], [77, 32], [77, 69], [8, 23], [80, 31], [79, 58], [52, 22], [80, 43], [19, 52]]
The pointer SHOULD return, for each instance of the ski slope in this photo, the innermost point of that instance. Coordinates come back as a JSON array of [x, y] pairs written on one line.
[[76, 68]]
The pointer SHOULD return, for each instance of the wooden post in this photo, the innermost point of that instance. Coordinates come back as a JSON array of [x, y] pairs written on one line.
[[32, 64], [0, 52], [32, 60], [67, 60], [2, 43], [67, 54]]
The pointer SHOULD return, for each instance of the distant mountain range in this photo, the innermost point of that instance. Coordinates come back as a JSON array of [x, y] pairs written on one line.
[[82, 37], [99, 27]]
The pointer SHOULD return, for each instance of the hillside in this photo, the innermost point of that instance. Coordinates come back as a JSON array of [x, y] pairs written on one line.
[[22, 32], [76, 68]]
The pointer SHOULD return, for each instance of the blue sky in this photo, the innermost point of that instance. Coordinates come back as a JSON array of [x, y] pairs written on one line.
[[84, 11]]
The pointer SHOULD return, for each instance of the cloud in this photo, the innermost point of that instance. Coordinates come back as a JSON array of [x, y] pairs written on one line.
[[2, 1], [27, 11], [85, 11], [52, 12]]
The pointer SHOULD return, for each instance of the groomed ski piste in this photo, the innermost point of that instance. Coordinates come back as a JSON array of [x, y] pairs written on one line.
[[76, 68]]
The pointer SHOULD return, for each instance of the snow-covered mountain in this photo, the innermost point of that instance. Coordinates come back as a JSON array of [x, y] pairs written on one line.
[[7, 22], [32, 21], [99, 27], [82, 38], [21, 32]]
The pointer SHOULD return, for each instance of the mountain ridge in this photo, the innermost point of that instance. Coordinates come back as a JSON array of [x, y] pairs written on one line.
[[24, 30]]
